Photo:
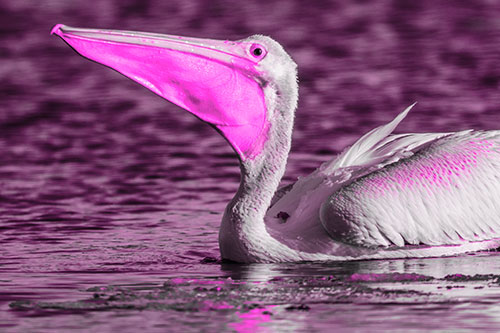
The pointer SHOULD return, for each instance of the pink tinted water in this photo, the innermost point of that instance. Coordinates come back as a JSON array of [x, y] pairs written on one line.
[[110, 199]]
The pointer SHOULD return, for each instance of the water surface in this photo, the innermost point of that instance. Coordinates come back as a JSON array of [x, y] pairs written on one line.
[[111, 198]]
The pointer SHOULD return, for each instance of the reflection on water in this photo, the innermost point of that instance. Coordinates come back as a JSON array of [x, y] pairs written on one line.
[[111, 198], [380, 294]]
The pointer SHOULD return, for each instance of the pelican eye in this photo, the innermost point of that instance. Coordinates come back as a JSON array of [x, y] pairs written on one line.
[[258, 51]]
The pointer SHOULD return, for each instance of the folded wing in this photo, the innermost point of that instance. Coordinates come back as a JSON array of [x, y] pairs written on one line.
[[447, 192]]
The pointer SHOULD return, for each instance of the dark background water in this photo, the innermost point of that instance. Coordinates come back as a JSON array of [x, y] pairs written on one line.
[[102, 184]]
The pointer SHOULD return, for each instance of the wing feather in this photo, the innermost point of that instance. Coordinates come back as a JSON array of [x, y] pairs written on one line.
[[446, 193], [362, 151]]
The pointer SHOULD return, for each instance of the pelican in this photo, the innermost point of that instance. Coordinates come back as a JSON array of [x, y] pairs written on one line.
[[386, 196]]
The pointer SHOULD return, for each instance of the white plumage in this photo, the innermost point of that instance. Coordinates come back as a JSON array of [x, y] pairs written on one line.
[[446, 193]]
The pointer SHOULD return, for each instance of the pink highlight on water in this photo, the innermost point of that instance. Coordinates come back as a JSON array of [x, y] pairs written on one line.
[[252, 320]]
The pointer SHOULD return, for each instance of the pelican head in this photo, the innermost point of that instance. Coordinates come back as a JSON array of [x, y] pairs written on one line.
[[233, 86]]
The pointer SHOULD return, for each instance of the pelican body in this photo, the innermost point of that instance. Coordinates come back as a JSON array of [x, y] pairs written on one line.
[[386, 196]]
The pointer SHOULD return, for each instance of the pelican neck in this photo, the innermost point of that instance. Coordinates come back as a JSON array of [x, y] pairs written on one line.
[[243, 234]]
